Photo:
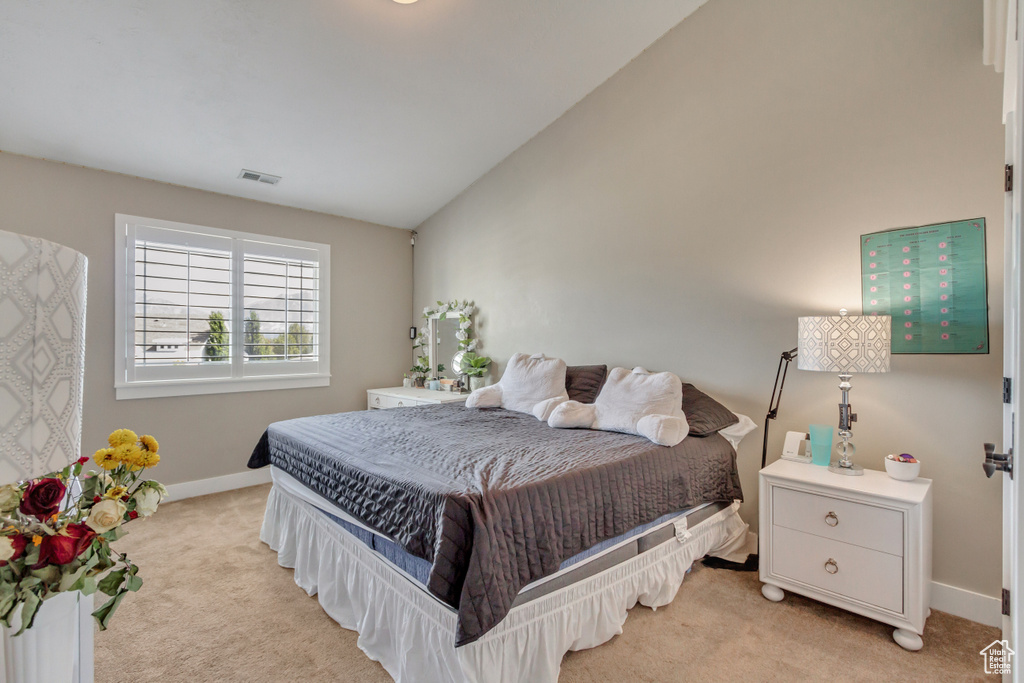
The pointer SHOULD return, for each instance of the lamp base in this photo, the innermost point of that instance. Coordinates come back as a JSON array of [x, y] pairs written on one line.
[[851, 471]]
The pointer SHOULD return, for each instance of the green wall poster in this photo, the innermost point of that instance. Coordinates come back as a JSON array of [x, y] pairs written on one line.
[[932, 281]]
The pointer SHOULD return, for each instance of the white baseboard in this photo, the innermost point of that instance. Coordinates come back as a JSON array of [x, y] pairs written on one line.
[[983, 609], [204, 487]]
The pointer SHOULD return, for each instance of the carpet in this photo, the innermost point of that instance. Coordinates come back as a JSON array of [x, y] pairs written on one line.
[[215, 606]]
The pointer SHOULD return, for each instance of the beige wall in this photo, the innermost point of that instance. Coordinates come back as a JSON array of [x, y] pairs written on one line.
[[686, 212], [207, 436]]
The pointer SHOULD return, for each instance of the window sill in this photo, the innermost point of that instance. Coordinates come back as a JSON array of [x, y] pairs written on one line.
[[217, 386]]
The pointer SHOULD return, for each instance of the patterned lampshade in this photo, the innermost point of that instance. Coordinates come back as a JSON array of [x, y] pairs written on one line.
[[42, 355], [844, 344]]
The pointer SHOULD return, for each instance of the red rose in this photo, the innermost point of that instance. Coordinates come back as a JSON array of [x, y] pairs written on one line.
[[61, 549], [19, 544], [95, 499], [133, 515], [84, 459], [42, 498]]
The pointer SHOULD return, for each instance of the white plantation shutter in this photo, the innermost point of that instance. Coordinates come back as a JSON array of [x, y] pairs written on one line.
[[204, 310], [281, 306]]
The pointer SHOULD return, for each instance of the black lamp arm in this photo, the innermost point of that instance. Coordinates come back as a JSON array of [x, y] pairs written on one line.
[[773, 406]]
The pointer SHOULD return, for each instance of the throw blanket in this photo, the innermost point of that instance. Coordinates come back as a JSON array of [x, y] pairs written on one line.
[[493, 499]]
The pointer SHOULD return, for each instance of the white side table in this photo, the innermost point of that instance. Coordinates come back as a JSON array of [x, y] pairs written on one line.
[[860, 543], [400, 397]]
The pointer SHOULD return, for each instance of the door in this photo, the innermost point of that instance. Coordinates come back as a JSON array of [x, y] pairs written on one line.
[[1013, 510]]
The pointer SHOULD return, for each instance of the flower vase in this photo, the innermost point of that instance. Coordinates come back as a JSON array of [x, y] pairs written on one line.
[[477, 383], [50, 650], [419, 382]]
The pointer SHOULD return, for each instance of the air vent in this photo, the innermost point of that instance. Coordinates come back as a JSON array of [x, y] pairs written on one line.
[[260, 177]]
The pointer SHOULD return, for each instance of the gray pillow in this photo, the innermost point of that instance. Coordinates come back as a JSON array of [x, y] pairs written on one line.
[[704, 414], [583, 382]]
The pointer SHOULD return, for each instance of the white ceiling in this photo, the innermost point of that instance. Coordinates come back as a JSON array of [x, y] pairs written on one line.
[[367, 108]]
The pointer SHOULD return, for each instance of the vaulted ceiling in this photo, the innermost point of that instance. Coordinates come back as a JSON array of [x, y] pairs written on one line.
[[367, 108]]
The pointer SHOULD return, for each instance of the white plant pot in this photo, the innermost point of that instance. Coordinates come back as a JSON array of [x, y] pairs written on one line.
[[477, 383], [50, 649]]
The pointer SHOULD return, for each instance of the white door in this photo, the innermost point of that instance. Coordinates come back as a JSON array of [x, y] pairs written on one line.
[[1013, 510]]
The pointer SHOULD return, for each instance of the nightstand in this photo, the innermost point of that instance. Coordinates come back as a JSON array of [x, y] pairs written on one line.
[[400, 397], [860, 543]]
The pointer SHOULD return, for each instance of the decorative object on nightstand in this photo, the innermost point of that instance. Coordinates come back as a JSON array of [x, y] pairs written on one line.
[[860, 543], [844, 344], [904, 466]]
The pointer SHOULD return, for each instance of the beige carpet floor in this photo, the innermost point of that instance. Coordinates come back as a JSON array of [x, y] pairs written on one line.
[[217, 607]]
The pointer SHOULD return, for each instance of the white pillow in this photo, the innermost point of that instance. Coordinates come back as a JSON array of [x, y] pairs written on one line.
[[634, 402], [528, 383], [628, 396]]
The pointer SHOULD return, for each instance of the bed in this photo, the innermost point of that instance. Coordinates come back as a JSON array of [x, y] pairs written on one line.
[[481, 545]]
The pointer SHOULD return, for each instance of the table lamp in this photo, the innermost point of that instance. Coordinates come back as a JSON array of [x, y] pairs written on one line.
[[844, 344]]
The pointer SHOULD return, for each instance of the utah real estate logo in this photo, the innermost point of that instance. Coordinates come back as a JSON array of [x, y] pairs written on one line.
[[998, 657]]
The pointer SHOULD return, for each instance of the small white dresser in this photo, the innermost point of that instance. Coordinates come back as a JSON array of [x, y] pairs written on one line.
[[860, 543], [399, 397]]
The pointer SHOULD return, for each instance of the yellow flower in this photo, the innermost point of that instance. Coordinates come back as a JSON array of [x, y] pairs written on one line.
[[36, 540], [121, 437], [149, 459], [116, 492], [149, 443], [131, 455], [105, 458]]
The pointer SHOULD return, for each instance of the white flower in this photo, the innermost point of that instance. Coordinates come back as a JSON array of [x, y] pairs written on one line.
[[472, 345], [105, 515], [146, 500], [6, 548], [468, 311], [461, 335], [464, 325], [426, 311], [10, 497]]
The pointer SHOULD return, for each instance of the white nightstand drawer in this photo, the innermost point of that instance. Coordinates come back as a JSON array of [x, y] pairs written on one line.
[[375, 400], [868, 526], [861, 574]]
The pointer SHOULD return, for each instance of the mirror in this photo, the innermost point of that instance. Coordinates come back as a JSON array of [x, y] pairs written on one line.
[[449, 336], [446, 346]]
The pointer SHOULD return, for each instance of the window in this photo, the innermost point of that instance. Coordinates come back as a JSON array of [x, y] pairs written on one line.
[[202, 310]]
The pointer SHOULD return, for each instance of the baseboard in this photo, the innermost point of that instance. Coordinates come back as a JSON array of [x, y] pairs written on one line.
[[204, 487], [983, 609]]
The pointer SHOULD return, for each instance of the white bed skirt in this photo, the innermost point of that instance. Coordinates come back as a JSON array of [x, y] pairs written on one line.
[[412, 634]]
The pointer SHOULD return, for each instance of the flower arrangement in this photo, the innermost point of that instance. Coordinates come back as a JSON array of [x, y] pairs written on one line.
[[53, 540]]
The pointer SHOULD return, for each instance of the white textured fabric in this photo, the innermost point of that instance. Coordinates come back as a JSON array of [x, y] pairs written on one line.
[[42, 355], [526, 382], [637, 402], [412, 634]]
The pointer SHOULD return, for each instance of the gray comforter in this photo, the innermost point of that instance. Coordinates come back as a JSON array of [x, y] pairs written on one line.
[[493, 499]]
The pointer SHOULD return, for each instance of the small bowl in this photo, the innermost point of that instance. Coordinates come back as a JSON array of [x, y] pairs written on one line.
[[904, 471]]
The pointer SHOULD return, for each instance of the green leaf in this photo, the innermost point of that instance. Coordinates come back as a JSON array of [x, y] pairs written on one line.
[[110, 583], [29, 607], [69, 580], [115, 533], [134, 583], [106, 611], [442, 316], [88, 585], [7, 600]]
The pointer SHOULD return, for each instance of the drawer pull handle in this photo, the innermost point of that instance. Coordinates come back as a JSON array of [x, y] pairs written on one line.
[[832, 519], [377, 400], [400, 404], [832, 567]]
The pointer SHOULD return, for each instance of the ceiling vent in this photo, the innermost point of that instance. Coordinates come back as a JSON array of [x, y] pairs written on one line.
[[259, 177]]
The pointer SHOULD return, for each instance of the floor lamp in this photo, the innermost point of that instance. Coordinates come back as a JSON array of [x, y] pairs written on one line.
[[42, 367]]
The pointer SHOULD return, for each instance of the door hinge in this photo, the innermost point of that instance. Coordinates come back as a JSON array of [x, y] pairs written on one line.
[[1007, 390], [1006, 602], [1008, 182]]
